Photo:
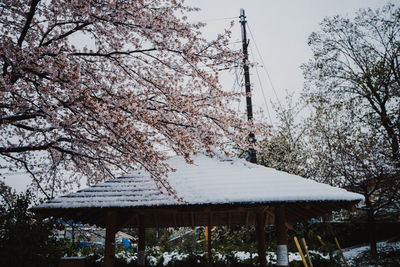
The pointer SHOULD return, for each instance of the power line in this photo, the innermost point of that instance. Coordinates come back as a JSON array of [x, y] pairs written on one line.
[[261, 87], [217, 19], [269, 78], [272, 86], [264, 66], [236, 82]]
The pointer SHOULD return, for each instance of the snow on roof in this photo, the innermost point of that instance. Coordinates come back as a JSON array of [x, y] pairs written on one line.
[[217, 180]]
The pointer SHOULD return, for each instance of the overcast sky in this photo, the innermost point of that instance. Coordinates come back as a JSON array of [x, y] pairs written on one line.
[[280, 30]]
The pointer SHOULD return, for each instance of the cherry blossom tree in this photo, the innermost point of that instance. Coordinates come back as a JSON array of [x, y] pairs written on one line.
[[144, 82]]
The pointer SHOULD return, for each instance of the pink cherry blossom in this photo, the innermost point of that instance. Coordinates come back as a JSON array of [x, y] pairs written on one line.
[[145, 82]]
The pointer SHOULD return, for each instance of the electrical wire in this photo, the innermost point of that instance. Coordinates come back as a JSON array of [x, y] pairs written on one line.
[[264, 66], [261, 87], [270, 81], [237, 82], [269, 77], [218, 19]]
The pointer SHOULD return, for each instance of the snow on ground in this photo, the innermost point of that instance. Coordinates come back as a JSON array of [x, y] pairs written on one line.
[[168, 256], [354, 252], [239, 255], [350, 254], [271, 256]]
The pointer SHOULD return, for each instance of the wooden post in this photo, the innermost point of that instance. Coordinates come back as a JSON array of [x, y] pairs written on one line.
[[260, 224], [111, 229], [141, 246], [281, 236], [209, 246]]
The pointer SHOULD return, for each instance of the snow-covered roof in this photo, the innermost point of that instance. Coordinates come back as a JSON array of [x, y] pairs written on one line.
[[208, 181]]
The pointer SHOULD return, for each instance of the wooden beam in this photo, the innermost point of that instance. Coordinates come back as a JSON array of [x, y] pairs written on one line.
[[192, 222], [260, 234], [109, 251], [294, 213], [131, 220], [123, 219], [174, 219], [269, 218], [281, 236], [155, 220], [141, 246], [223, 214], [247, 219]]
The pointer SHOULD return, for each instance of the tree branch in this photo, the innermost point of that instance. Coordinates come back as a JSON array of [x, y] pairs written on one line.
[[21, 117], [77, 28], [29, 18], [113, 53]]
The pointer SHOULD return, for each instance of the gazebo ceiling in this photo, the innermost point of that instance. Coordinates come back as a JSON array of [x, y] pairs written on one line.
[[216, 191], [198, 215]]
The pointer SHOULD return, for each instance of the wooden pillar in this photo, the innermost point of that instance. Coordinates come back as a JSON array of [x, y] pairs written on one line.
[[281, 236], [111, 229], [141, 246], [209, 246], [260, 234]]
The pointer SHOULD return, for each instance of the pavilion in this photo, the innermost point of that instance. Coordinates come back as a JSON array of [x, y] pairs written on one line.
[[218, 191]]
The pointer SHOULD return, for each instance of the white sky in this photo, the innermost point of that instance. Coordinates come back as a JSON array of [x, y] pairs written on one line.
[[280, 29]]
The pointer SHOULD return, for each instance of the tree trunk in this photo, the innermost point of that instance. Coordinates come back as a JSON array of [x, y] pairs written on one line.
[[371, 229]]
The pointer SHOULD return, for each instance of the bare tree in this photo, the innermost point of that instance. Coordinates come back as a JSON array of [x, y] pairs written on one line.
[[285, 148], [353, 84]]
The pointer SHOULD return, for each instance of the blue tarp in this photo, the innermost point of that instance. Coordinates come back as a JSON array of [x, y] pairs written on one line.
[[126, 242]]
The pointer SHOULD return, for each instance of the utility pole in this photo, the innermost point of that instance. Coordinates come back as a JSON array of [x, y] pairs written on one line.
[[252, 139]]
